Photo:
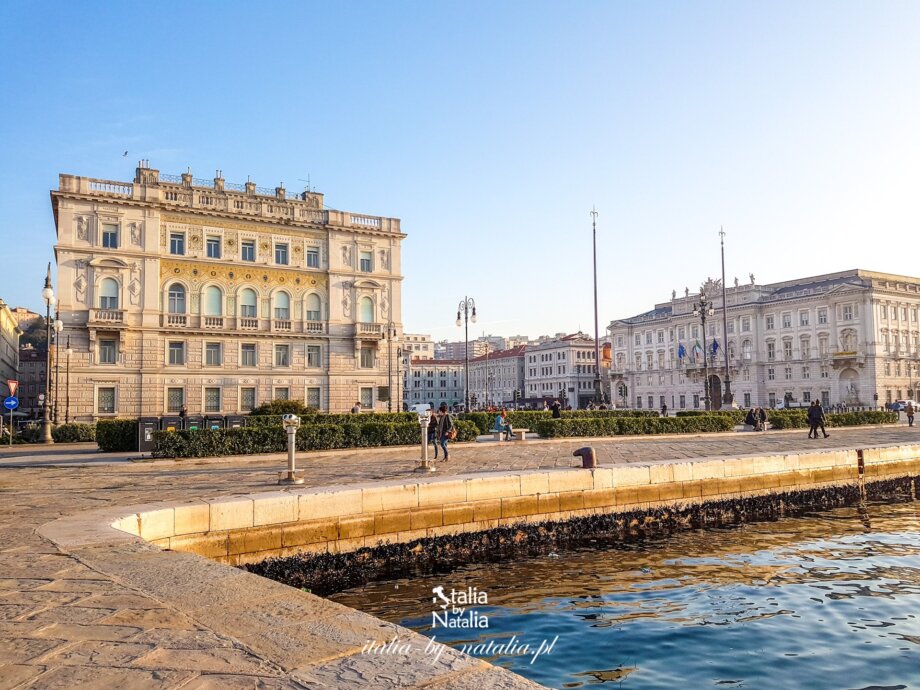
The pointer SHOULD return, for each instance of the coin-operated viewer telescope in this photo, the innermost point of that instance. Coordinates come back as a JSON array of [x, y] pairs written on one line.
[[423, 410], [291, 423]]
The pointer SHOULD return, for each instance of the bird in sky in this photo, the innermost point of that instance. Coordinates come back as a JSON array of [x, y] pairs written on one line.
[[124, 155]]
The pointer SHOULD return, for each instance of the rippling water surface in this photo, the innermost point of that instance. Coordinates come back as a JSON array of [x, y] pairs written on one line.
[[830, 600]]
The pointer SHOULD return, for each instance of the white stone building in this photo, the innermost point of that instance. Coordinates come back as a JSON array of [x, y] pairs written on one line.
[[218, 297], [457, 350], [433, 381], [848, 338], [417, 346], [561, 369], [495, 376]]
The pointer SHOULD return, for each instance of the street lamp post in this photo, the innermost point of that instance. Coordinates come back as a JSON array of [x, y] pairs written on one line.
[[68, 352], [727, 398], [48, 296], [58, 327], [703, 309], [597, 350], [391, 333], [399, 354], [467, 307]]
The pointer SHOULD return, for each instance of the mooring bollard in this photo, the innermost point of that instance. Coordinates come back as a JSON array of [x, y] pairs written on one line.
[[588, 458], [291, 424], [424, 417]]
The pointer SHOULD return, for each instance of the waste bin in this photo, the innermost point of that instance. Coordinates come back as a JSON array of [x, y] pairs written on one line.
[[214, 422], [194, 422], [145, 428], [235, 422], [170, 423]]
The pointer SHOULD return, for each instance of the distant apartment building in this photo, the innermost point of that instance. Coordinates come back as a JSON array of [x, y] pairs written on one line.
[[26, 318], [9, 346], [433, 381], [417, 346], [849, 338], [562, 368], [497, 378], [457, 350], [32, 367], [217, 297]]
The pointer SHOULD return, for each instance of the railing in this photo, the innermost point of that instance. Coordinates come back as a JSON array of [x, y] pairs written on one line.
[[107, 187], [107, 315], [365, 220], [369, 329], [281, 325], [249, 324], [176, 320], [212, 321], [314, 326]]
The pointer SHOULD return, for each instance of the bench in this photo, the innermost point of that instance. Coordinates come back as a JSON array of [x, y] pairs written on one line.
[[519, 434]]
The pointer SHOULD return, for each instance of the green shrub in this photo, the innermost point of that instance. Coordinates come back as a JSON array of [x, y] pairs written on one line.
[[311, 436], [737, 416], [322, 418], [280, 407], [628, 426], [797, 419], [527, 419], [116, 435], [73, 433]]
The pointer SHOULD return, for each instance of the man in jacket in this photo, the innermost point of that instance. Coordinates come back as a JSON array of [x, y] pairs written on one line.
[[909, 409], [445, 426], [817, 419]]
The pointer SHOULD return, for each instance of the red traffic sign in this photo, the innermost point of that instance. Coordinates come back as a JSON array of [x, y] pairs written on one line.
[[12, 385]]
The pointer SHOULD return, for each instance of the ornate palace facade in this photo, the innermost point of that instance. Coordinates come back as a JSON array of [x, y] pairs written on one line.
[[848, 338], [178, 292]]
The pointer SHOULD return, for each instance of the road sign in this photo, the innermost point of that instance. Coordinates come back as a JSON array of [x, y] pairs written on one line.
[[12, 385], [11, 403], [41, 397]]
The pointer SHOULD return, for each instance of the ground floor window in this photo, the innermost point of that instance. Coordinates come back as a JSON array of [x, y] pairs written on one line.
[[175, 399], [806, 396], [826, 398], [313, 397], [282, 394], [696, 402], [105, 400], [747, 399], [212, 399], [772, 399], [367, 397], [683, 402], [247, 399]]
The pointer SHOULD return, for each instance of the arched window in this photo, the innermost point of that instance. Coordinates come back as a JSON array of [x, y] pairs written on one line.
[[108, 294], [176, 299], [366, 312], [248, 305], [283, 306], [313, 308], [213, 302]]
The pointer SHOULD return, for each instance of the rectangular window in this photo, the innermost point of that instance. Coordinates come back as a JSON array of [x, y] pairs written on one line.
[[313, 398], [212, 399], [883, 311], [248, 355], [212, 354], [107, 352], [281, 254], [768, 323], [745, 324], [847, 312], [110, 235], [367, 259], [747, 399], [788, 373], [683, 401], [787, 320], [806, 373], [313, 257], [806, 396], [639, 402], [824, 372], [367, 358], [313, 356], [282, 393], [248, 250], [247, 399], [771, 399], [175, 399], [803, 318], [787, 349], [822, 316], [638, 339], [177, 353], [826, 398], [367, 398], [177, 243], [696, 402], [105, 400], [903, 313], [282, 355], [213, 246], [771, 374], [771, 351]]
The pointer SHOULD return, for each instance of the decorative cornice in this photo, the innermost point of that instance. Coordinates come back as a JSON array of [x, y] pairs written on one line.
[[232, 274]]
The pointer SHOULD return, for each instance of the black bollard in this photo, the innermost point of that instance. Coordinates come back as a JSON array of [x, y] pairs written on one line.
[[588, 458]]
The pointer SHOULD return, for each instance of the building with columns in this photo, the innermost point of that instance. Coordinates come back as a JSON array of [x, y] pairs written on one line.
[[848, 338], [180, 292]]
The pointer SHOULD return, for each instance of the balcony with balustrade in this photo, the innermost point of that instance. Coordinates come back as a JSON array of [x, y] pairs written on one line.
[[231, 324], [107, 317], [369, 331]]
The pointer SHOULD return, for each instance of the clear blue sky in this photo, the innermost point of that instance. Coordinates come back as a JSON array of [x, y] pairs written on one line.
[[491, 129]]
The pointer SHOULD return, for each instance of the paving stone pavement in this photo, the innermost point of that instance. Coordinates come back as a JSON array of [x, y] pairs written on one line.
[[65, 625]]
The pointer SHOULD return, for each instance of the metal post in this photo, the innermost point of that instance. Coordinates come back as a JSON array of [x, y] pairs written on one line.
[[464, 307], [597, 347], [706, 401], [57, 362], [68, 351], [291, 423], [399, 377], [48, 295], [727, 398], [389, 366]]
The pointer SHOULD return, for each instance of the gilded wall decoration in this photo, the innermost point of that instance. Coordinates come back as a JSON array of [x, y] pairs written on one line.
[[194, 240], [233, 275], [246, 227]]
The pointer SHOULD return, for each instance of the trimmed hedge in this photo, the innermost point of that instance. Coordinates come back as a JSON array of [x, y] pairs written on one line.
[[737, 416], [273, 439], [72, 432], [630, 426], [116, 435], [799, 420], [528, 419], [322, 418], [280, 407]]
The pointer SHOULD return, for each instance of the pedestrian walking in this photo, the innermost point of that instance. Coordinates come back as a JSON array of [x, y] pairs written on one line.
[[446, 429], [557, 409], [820, 419], [909, 409], [433, 432], [812, 420], [664, 410]]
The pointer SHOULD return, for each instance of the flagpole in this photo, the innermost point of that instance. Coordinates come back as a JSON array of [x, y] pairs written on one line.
[[727, 397]]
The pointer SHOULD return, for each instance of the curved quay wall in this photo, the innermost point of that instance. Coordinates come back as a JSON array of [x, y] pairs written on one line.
[[247, 529]]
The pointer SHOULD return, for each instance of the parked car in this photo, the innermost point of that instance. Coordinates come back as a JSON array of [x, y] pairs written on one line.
[[899, 405], [791, 405]]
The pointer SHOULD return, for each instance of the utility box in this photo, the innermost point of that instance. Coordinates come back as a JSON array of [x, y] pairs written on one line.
[[194, 423], [235, 422], [145, 428], [214, 422], [170, 423]]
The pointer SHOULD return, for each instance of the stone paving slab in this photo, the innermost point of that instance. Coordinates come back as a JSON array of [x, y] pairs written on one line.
[[112, 616]]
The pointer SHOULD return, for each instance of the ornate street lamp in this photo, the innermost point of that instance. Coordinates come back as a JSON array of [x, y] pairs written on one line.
[[50, 301], [727, 398], [399, 354], [467, 307], [391, 333], [68, 352], [597, 346], [703, 309], [58, 327]]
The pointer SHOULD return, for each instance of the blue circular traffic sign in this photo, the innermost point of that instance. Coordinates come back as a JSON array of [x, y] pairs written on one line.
[[11, 403]]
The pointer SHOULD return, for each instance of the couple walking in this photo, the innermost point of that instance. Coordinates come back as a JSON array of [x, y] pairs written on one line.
[[816, 419], [441, 430]]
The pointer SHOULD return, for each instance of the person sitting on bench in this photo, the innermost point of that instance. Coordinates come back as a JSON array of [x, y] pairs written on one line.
[[502, 425]]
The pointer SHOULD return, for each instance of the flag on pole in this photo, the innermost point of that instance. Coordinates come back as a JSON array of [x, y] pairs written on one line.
[[715, 347], [681, 351]]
